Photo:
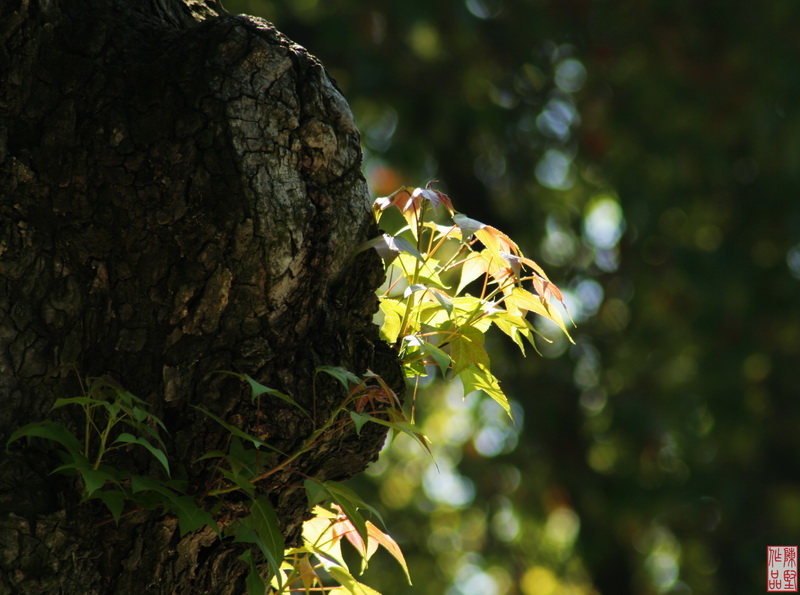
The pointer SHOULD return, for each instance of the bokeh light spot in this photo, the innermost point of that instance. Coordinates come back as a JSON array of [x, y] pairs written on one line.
[[444, 485], [424, 40], [602, 457], [570, 75], [793, 260], [505, 524], [562, 527], [590, 293], [557, 118], [539, 581], [554, 170], [593, 400], [604, 222], [484, 9]]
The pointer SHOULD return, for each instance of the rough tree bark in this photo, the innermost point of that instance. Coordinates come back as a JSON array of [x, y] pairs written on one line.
[[180, 193]]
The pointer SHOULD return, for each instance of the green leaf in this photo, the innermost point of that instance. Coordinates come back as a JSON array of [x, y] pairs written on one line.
[[412, 289], [268, 528], [472, 311], [315, 492], [127, 398], [359, 419], [237, 432], [190, 516], [126, 438], [82, 401], [242, 465], [140, 414], [51, 430], [414, 272], [259, 389], [444, 300], [93, 479], [242, 459], [477, 377], [395, 281], [240, 482], [345, 377], [113, 409], [468, 226], [412, 369], [213, 454], [399, 426], [141, 483], [254, 583], [114, 501], [156, 493], [466, 348], [261, 527], [152, 432]]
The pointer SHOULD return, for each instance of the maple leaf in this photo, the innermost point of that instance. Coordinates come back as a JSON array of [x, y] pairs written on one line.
[[409, 202]]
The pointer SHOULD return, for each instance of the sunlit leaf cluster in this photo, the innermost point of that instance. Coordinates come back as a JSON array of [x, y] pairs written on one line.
[[427, 312]]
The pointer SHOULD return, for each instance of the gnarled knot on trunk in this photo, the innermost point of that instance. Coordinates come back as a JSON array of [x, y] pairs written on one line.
[[180, 193]]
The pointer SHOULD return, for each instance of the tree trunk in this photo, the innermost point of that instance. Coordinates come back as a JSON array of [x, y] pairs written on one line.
[[180, 193]]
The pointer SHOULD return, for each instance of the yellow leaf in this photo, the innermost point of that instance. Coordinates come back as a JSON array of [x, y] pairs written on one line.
[[477, 377], [308, 576], [349, 584], [318, 535], [393, 311], [495, 240], [376, 536], [472, 267], [472, 309], [466, 348], [520, 300], [507, 323]]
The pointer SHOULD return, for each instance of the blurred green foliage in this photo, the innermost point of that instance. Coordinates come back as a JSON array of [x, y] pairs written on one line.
[[648, 155]]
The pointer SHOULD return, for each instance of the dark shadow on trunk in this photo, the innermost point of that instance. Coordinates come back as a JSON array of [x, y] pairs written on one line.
[[180, 193]]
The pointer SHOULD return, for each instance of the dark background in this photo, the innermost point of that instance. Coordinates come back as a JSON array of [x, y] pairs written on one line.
[[647, 154]]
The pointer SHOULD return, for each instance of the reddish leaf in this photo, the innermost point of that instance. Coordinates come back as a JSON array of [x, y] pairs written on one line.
[[544, 287], [343, 527], [440, 197], [376, 536], [402, 199], [532, 264]]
